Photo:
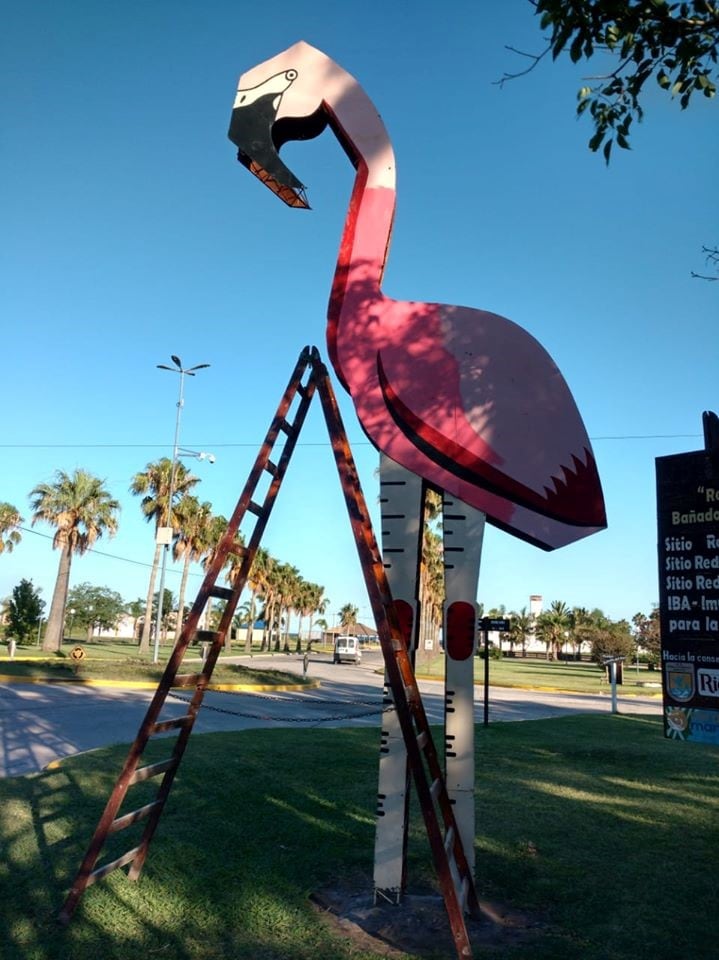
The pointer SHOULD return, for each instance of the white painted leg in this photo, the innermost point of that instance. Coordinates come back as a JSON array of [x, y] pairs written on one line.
[[463, 532], [402, 505]]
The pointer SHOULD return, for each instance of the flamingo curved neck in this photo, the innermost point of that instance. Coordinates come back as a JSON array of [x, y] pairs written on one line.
[[368, 225]]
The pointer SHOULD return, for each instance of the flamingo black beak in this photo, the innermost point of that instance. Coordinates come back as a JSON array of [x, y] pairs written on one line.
[[259, 135], [251, 130]]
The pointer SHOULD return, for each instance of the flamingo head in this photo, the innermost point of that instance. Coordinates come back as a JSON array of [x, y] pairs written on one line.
[[278, 101]]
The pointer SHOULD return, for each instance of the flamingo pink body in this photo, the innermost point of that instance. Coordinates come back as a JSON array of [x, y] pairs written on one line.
[[464, 398]]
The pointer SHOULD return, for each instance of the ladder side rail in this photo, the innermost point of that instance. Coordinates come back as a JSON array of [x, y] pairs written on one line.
[[228, 539], [397, 660], [224, 547], [249, 551], [189, 630], [178, 751], [124, 780]]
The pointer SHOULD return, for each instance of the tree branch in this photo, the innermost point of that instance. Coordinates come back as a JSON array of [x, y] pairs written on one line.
[[534, 57]]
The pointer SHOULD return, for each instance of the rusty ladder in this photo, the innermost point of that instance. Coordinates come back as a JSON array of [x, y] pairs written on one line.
[[454, 875]]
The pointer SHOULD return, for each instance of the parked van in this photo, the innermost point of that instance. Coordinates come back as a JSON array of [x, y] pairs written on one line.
[[348, 649]]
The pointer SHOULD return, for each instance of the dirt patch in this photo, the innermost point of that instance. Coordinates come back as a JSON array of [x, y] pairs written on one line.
[[419, 924]]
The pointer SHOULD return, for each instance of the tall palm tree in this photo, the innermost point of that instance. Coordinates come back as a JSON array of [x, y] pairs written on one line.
[[10, 520], [580, 629], [553, 627], [521, 624], [288, 587], [255, 582], [348, 615], [431, 584], [194, 524], [317, 602], [270, 597], [82, 510], [154, 485]]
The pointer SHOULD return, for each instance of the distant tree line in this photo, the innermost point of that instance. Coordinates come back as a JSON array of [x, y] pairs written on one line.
[[82, 510]]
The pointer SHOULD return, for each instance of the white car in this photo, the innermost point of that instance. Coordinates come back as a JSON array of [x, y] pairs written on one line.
[[347, 648]]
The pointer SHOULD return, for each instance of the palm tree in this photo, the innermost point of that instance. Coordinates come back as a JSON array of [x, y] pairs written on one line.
[[553, 627], [520, 627], [317, 603], [154, 485], [431, 585], [82, 510], [216, 528], [10, 520], [348, 615], [270, 597], [288, 589], [194, 526], [255, 580], [580, 629]]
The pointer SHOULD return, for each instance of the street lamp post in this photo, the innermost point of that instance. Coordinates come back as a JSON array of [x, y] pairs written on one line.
[[164, 534]]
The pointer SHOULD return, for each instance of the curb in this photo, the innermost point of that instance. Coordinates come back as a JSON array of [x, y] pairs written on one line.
[[151, 685]]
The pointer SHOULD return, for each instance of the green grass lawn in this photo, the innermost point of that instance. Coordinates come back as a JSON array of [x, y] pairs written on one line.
[[574, 676], [121, 661], [140, 670], [597, 826]]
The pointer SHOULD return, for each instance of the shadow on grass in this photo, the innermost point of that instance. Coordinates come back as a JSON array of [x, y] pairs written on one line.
[[597, 824]]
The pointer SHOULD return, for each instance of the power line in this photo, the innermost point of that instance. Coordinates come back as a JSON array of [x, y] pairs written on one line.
[[102, 553], [319, 443]]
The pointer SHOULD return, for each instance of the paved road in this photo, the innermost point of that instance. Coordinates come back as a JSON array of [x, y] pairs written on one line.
[[40, 723]]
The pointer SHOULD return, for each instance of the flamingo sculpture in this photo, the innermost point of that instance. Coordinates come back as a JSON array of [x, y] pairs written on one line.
[[454, 398]]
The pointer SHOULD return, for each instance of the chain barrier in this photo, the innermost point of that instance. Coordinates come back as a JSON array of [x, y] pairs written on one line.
[[376, 711]]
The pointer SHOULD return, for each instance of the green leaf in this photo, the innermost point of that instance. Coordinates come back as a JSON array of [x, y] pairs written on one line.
[[663, 80], [677, 88], [584, 93], [596, 141], [607, 150], [622, 142], [576, 50]]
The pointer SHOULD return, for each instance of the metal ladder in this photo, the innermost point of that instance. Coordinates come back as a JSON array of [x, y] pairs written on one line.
[[392, 620]]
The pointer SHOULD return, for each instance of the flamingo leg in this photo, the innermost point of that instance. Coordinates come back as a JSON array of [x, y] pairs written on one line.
[[402, 508], [463, 533]]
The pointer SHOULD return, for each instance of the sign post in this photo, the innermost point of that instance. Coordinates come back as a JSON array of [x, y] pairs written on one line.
[[485, 625], [688, 554]]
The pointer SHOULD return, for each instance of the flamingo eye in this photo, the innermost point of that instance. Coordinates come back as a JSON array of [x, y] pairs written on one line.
[[290, 75]]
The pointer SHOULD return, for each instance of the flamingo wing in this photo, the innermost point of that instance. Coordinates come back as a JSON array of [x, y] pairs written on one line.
[[478, 407]]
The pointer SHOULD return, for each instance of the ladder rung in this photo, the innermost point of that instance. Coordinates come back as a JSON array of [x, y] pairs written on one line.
[[271, 468], [436, 789], [255, 508], [449, 841], [287, 428], [129, 818], [113, 865], [164, 725], [221, 593], [186, 680], [152, 770]]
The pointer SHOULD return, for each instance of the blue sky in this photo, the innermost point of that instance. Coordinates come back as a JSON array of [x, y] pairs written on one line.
[[131, 233]]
